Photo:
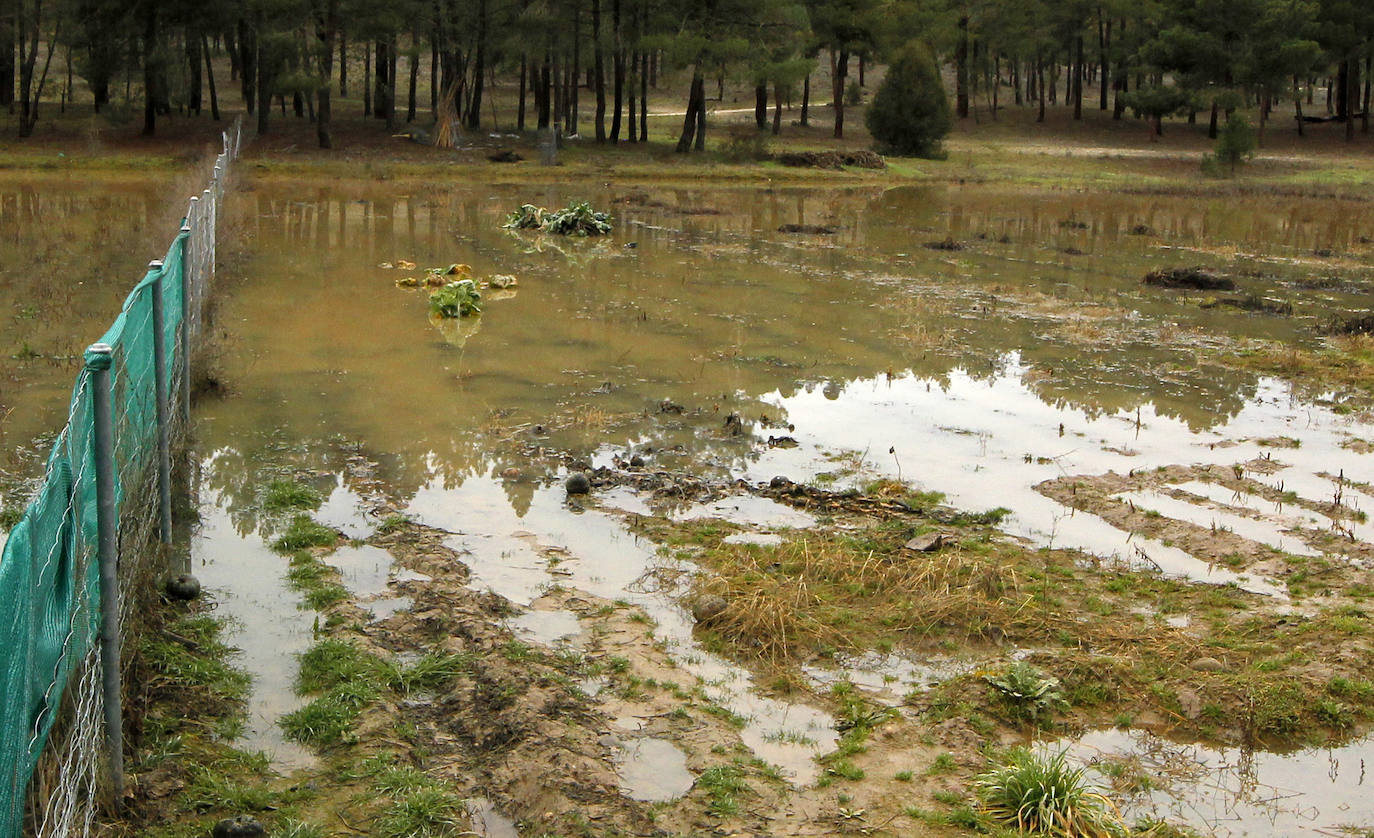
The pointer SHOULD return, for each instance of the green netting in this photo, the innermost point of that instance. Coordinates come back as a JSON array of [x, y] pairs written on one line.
[[49, 576]]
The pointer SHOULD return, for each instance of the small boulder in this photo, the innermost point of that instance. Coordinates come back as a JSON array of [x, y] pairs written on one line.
[[1205, 664], [578, 484], [927, 543], [183, 588], [1201, 279], [504, 156], [708, 607], [243, 826]]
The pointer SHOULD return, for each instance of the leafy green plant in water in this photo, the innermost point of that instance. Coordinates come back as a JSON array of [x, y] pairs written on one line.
[[456, 299], [304, 533], [576, 219], [1028, 690], [1041, 794], [284, 495]]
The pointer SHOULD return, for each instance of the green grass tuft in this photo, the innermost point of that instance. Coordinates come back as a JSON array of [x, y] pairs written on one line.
[[1042, 794]]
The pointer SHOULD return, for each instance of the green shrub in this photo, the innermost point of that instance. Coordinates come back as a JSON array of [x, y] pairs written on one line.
[[1235, 144], [909, 114]]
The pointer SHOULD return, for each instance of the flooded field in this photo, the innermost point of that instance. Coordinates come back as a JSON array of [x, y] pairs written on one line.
[[996, 348]]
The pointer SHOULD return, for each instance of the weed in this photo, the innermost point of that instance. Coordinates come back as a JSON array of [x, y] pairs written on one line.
[[288, 495], [1041, 793], [949, 798], [422, 813], [943, 764], [304, 533], [1028, 690], [431, 672], [845, 769], [723, 785], [903, 776], [392, 523]]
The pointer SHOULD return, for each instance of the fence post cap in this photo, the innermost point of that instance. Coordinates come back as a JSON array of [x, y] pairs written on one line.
[[155, 265], [99, 356], [186, 228], [195, 198]]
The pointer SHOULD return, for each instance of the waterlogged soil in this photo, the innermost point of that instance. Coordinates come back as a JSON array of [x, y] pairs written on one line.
[[1162, 507]]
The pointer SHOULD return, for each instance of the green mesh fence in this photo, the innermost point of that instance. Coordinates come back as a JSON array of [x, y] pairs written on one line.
[[49, 571]]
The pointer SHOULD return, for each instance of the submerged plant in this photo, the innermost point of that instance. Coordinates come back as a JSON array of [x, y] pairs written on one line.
[[456, 299], [1042, 794], [1028, 690]]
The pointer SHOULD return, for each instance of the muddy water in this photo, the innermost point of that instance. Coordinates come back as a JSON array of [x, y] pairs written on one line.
[[1031, 353]]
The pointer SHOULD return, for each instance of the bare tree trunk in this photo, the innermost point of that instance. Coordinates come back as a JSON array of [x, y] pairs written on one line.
[[777, 108], [1104, 41], [194, 83], [1297, 105], [695, 102], [645, 62], [343, 65], [1078, 79], [524, 83], [961, 70], [839, 70], [806, 101], [599, 67], [413, 58], [632, 133], [479, 70], [367, 79], [1040, 87], [151, 82], [761, 105], [210, 78], [575, 71], [326, 25]]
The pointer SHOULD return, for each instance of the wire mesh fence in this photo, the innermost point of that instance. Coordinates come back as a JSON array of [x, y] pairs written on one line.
[[60, 729]]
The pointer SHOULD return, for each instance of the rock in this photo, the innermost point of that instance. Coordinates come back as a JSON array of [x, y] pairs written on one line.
[[636, 461], [511, 473], [670, 406], [504, 156], [734, 425], [1142, 230], [578, 484], [927, 543], [779, 482], [1202, 279], [812, 229], [1208, 665], [502, 281], [707, 607], [1189, 702], [184, 587], [782, 442], [243, 826]]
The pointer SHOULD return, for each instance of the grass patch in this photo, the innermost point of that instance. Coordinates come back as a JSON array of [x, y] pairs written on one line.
[[1042, 794], [303, 533], [723, 785], [288, 496], [425, 812]]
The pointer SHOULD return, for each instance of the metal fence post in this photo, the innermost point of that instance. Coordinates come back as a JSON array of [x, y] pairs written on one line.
[[99, 358], [164, 443], [189, 259]]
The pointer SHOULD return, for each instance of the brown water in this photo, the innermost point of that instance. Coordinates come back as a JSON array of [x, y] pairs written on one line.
[[978, 373]]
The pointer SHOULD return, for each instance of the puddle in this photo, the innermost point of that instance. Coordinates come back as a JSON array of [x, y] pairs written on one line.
[[625, 499], [519, 556], [248, 580], [1228, 792], [384, 607], [489, 823], [750, 511], [652, 770], [761, 539], [1263, 532], [363, 569], [888, 677], [546, 627], [343, 511]]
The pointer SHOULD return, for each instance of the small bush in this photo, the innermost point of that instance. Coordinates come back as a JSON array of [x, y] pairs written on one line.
[[909, 114], [1041, 794], [1235, 145], [1027, 690]]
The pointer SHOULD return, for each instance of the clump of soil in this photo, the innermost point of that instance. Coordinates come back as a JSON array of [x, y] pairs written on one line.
[[948, 244], [808, 229], [1199, 278], [833, 159], [1255, 303]]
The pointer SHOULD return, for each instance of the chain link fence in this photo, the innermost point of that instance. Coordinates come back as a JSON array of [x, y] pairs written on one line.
[[76, 567]]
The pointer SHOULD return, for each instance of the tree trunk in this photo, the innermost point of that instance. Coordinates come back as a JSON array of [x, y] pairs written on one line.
[[761, 105], [1352, 96], [7, 78], [263, 79], [575, 72], [326, 25], [367, 79], [961, 70], [1078, 79], [777, 108], [646, 63], [524, 82], [479, 69], [1297, 105], [1364, 111], [632, 133], [545, 103], [806, 101], [695, 101], [839, 70], [151, 68], [210, 78], [194, 83], [599, 68], [1040, 87], [248, 65], [413, 58], [343, 65], [1212, 124], [434, 76], [1104, 40], [618, 71]]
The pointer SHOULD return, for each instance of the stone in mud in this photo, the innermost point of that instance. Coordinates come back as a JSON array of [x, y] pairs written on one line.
[[734, 425], [947, 244], [670, 406], [1208, 665], [708, 607], [928, 543], [184, 587], [578, 484], [1189, 702], [243, 826], [779, 482], [636, 461], [1202, 279], [504, 156]]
